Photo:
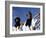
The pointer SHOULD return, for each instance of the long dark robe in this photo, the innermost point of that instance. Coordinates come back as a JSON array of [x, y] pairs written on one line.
[[29, 20], [17, 23]]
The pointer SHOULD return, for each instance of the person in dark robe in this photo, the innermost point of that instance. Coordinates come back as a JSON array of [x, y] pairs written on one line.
[[29, 20], [17, 22]]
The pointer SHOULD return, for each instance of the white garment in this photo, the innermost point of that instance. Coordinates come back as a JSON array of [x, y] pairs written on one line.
[[25, 28], [33, 22]]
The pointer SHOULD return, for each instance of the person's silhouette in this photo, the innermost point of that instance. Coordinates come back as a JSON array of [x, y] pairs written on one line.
[[17, 22], [29, 20]]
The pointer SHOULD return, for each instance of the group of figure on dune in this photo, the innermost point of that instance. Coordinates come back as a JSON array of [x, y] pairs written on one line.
[[28, 25]]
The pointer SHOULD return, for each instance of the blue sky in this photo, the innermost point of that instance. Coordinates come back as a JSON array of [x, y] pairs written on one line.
[[22, 11]]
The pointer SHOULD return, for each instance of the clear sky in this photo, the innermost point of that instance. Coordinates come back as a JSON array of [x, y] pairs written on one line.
[[22, 11]]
